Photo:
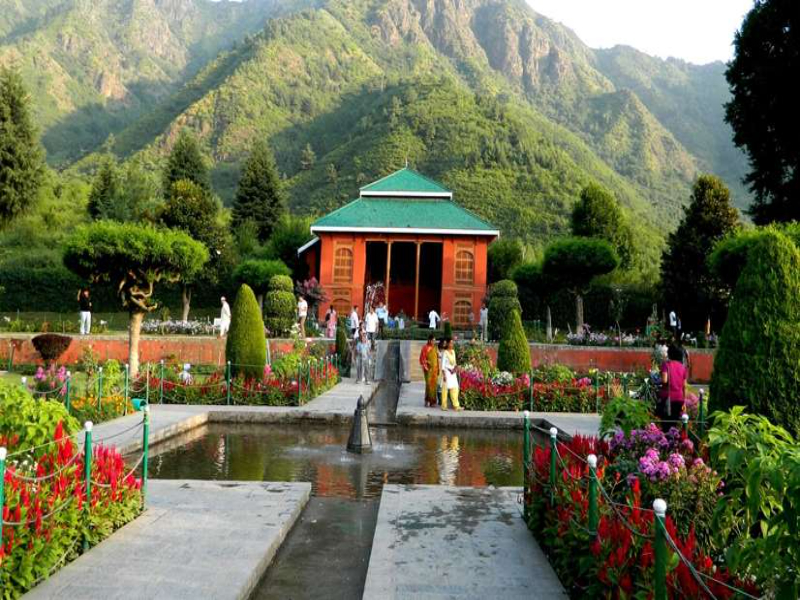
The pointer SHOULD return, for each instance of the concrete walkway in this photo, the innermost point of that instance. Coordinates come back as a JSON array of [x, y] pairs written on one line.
[[411, 410], [197, 539], [448, 542]]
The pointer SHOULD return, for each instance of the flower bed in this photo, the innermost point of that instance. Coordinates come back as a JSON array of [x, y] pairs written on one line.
[[47, 513], [618, 560]]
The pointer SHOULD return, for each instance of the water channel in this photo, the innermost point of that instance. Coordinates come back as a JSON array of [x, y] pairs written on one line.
[[327, 552]]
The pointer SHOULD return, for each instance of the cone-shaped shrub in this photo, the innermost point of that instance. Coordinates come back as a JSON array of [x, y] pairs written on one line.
[[514, 355], [342, 346], [757, 363], [503, 301], [279, 305], [448, 330], [246, 346]]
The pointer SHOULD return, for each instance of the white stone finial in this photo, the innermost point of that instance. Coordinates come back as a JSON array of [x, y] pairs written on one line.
[[88, 425], [3, 453], [660, 507], [592, 460], [554, 432]]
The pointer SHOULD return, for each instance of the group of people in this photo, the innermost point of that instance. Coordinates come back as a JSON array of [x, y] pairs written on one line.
[[434, 320], [441, 379]]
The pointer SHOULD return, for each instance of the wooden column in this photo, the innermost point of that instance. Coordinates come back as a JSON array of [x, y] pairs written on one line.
[[388, 269], [416, 284]]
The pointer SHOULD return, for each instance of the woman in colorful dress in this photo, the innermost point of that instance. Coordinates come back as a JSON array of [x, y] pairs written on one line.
[[429, 359]]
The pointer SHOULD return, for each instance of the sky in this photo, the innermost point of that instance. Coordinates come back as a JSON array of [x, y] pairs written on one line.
[[698, 31]]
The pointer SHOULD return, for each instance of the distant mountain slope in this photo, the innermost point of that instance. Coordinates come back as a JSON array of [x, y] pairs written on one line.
[[96, 65]]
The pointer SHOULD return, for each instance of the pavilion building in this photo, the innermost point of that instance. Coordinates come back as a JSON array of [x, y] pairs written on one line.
[[406, 232]]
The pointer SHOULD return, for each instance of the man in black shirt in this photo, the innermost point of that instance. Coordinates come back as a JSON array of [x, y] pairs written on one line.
[[85, 305]]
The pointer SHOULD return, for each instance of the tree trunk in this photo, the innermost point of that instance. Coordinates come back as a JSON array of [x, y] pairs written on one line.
[[260, 300], [578, 314], [186, 297], [549, 326], [134, 332]]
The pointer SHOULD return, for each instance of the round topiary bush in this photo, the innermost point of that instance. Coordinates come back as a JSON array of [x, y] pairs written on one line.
[[51, 346], [279, 306], [502, 302], [758, 360], [514, 355], [246, 347]]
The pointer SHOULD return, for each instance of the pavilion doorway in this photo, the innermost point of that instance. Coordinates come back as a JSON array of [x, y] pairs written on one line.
[[403, 278], [430, 280]]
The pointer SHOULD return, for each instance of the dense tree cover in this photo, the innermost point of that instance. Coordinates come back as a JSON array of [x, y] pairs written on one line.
[[260, 197], [186, 162], [133, 258], [21, 156], [573, 263], [290, 233], [192, 209], [257, 275], [126, 193], [504, 255], [597, 215], [763, 108], [758, 359], [689, 286], [245, 347]]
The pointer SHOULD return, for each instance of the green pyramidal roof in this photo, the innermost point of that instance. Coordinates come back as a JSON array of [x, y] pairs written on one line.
[[408, 182]]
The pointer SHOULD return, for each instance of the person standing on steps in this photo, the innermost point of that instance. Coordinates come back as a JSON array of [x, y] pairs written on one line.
[[450, 391], [433, 319], [483, 322], [302, 313], [429, 359], [85, 306], [224, 317], [371, 324], [330, 323], [354, 321], [363, 356]]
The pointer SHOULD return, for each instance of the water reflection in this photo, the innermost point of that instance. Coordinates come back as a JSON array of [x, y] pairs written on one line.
[[317, 455]]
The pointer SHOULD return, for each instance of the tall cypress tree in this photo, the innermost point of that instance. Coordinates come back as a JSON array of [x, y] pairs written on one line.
[[186, 162], [21, 157], [260, 197], [106, 192]]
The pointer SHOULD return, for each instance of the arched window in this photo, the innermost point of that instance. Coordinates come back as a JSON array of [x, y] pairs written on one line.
[[343, 265], [465, 267], [462, 310]]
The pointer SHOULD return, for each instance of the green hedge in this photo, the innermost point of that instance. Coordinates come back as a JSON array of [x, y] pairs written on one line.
[[246, 347], [514, 355]]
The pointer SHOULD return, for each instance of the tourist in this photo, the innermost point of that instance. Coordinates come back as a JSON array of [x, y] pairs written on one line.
[[330, 322], [363, 359], [673, 385], [85, 306], [186, 376], [450, 391], [354, 321], [401, 320], [483, 322], [673, 324], [371, 324], [383, 317], [433, 319], [302, 313], [224, 318], [429, 359]]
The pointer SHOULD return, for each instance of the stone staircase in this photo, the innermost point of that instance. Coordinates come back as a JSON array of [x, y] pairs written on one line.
[[415, 371]]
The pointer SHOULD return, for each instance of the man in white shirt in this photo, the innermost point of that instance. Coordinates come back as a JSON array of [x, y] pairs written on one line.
[[673, 323], [383, 316], [371, 324], [433, 319], [302, 313], [224, 318], [354, 321], [484, 322]]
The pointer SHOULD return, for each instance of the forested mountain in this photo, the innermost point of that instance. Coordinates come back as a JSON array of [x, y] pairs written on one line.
[[507, 107]]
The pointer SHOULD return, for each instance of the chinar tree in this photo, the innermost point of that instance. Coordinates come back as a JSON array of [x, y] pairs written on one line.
[[133, 258]]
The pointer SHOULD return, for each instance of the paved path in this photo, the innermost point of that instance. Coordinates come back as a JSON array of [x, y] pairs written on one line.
[[168, 420], [449, 542], [411, 410], [198, 539]]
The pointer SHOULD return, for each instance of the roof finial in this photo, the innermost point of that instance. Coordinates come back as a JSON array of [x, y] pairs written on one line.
[[406, 161]]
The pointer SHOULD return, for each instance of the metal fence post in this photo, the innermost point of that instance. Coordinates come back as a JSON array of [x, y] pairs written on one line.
[[660, 508], [299, 385], [597, 391], [161, 384], [228, 382], [147, 384], [87, 472], [701, 412], [593, 513], [553, 453], [530, 390], [685, 425], [69, 389], [125, 397], [526, 453], [99, 388], [3, 454], [145, 450]]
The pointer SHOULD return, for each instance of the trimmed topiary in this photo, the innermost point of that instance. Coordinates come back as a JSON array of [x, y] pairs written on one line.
[[503, 301], [279, 306], [514, 355], [51, 346], [342, 346], [758, 360], [246, 346], [448, 330]]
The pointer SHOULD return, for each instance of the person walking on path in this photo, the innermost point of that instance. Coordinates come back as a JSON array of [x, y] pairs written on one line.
[[330, 325], [224, 317], [363, 359], [429, 359], [371, 324], [85, 306], [354, 321], [383, 317], [433, 319], [673, 386], [450, 391], [483, 322], [302, 313]]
